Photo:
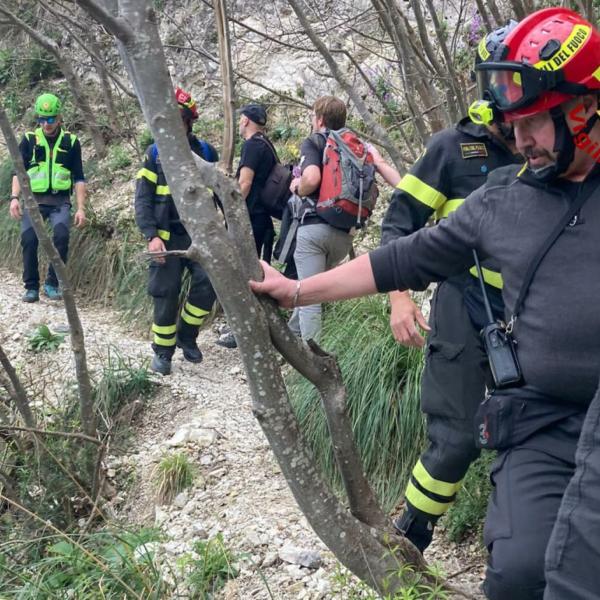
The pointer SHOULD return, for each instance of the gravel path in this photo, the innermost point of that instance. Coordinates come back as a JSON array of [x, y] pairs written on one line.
[[205, 411]]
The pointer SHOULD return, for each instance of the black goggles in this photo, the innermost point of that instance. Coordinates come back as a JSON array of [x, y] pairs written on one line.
[[513, 85]]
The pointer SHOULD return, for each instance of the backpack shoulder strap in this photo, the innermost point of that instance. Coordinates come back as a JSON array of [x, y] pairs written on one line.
[[268, 142]]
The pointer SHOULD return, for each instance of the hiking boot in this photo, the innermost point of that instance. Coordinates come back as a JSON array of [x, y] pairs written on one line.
[[52, 292], [227, 340], [161, 364], [417, 529], [31, 296], [191, 352]]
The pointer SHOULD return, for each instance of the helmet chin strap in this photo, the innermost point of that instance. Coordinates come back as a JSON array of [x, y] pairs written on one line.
[[564, 146]]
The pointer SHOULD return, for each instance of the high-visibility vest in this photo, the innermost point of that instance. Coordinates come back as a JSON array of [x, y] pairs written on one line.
[[45, 175]]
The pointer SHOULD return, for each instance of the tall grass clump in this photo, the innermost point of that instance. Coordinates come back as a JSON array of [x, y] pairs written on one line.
[[383, 384], [173, 474]]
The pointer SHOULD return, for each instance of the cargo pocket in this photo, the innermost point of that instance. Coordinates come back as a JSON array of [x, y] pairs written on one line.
[[158, 286], [498, 521], [442, 385]]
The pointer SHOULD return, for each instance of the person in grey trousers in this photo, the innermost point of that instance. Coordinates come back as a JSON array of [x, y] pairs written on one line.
[[319, 245]]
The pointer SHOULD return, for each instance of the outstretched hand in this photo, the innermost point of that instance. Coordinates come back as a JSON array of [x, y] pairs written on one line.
[[275, 285]]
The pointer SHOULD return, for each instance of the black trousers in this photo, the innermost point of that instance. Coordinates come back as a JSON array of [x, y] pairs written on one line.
[[174, 323], [573, 553], [530, 476], [60, 219], [452, 387]]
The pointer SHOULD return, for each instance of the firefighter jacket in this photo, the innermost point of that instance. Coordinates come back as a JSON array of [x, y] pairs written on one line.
[[507, 221], [456, 162], [155, 211], [53, 164]]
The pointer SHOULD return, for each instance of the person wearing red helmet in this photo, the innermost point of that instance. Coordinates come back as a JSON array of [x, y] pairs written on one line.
[[539, 223], [157, 217]]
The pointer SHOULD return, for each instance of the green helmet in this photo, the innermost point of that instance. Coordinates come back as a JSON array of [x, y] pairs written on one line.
[[47, 105]]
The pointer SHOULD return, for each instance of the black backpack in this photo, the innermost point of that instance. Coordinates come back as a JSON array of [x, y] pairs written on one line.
[[276, 189]]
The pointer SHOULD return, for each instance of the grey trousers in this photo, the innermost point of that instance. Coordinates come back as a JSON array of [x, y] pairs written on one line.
[[319, 247], [572, 555]]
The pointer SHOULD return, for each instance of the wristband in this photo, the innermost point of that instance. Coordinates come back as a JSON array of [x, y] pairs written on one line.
[[14, 197], [296, 295]]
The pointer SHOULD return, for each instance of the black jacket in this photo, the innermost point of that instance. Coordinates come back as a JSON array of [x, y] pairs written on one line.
[[456, 162], [507, 221], [155, 211]]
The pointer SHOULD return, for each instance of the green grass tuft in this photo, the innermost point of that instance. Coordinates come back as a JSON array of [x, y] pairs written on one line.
[[43, 340], [173, 474], [383, 383]]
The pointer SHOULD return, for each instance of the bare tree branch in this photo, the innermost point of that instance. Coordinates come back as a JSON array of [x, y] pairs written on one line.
[[18, 393]]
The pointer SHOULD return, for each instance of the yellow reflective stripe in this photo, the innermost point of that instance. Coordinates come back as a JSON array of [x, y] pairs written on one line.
[[421, 191], [482, 50], [448, 207], [194, 310], [436, 486], [161, 341], [522, 170], [425, 504], [164, 235], [148, 174], [191, 320], [162, 190], [491, 277], [164, 329], [596, 75]]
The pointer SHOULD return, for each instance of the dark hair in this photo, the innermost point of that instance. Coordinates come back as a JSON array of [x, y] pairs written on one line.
[[332, 110]]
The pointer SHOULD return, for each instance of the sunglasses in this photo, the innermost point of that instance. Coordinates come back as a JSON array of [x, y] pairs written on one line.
[[49, 120]]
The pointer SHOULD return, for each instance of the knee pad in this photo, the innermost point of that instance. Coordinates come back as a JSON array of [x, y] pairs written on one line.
[[28, 238]]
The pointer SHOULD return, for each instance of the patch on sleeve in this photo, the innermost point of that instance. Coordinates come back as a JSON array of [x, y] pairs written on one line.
[[475, 150]]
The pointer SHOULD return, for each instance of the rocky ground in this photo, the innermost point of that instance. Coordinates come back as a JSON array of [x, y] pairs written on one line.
[[205, 411]]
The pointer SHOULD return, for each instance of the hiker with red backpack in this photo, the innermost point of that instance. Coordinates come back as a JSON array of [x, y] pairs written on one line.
[[338, 190]]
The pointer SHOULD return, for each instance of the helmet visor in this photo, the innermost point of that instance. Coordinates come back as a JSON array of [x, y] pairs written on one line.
[[512, 85]]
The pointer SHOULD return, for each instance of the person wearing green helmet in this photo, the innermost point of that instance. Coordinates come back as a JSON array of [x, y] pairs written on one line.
[[52, 158]]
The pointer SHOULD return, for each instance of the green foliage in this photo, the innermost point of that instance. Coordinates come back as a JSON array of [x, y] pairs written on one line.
[[145, 139], [415, 585], [118, 158], [96, 566], [284, 132], [212, 569], [6, 168], [468, 513], [173, 474], [383, 385], [43, 340], [120, 383]]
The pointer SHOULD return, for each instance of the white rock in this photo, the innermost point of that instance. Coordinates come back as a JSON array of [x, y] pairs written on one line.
[[300, 556], [180, 500]]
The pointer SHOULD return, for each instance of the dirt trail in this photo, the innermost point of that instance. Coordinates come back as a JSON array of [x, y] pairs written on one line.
[[239, 490]]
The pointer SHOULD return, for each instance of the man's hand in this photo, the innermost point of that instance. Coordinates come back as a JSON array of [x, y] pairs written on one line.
[[15, 209], [157, 245], [404, 319], [79, 218], [294, 185], [275, 285]]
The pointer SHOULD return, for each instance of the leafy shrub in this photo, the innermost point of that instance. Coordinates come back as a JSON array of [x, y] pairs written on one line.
[[118, 158], [214, 567], [383, 388], [43, 340], [145, 139], [105, 564], [173, 474]]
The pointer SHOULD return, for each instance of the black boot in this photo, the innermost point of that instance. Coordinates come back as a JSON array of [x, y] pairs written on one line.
[[161, 364], [416, 528], [191, 352]]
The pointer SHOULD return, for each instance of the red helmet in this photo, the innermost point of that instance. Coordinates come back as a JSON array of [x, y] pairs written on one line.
[[549, 57], [186, 103]]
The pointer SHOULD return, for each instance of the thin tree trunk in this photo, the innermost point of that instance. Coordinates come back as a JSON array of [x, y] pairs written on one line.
[[73, 80], [18, 395], [75, 328], [361, 107], [228, 85]]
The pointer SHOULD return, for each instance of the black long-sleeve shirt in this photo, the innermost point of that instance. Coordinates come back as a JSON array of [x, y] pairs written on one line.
[[507, 221]]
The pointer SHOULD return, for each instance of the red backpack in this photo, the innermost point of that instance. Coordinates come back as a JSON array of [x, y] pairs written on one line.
[[348, 191]]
